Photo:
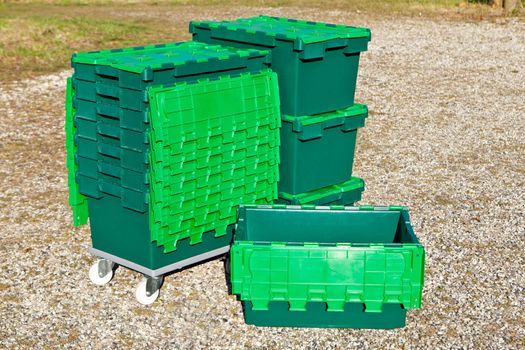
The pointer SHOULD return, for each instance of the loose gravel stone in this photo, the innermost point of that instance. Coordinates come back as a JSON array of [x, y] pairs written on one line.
[[445, 136]]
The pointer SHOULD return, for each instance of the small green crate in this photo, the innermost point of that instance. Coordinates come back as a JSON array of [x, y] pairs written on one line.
[[317, 63], [345, 193], [318, 151], [334, 266]]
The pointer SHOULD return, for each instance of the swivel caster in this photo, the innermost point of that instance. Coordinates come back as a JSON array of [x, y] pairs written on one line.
[[101, 272], [148, 290]]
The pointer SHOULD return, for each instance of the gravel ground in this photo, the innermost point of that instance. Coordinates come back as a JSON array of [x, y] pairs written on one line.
[[445, 136]]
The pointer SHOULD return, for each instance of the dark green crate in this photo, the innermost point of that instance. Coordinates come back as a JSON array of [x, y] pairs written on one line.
[[353, 316], [125, 234], [326, 266], [318, 151], [316, 63], [346, 193]]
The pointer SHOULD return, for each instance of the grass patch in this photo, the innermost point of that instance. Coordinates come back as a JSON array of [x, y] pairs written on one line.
[[38, 37], [37, 44]]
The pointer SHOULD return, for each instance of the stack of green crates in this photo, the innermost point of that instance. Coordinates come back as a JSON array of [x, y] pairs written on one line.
[[242, 139], [317, 66], [164, 142], [301, 262]]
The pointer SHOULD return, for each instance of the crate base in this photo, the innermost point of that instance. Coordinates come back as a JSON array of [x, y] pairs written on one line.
[[316, 316], [122, 233], [163, 270]]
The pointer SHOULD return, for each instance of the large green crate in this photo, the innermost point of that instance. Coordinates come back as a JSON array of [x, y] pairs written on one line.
[[198, 173], [345, 193], [318, 151], [339, 256], [317, 63]]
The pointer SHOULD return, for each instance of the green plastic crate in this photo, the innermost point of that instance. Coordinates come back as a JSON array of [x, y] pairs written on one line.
[[339, 256], [111, 102], [192, 194], [225, 133], [345, 193], [318, 151], [77, 201], [317, 63]]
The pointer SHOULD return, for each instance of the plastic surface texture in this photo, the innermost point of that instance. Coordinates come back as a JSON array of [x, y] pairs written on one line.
[[318, 151], [214, 145], [316, 63], [335, 255], [345, 193], [77, 201]]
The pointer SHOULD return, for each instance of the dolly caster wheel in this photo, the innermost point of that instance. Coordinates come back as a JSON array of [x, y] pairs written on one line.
[[101, 272], [148, 290]]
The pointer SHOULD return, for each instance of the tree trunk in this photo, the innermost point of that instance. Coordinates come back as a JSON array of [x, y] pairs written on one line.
[[511, 5]]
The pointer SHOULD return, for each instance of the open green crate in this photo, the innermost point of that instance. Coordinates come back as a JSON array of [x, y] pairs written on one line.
[[364, 265], [198, 175], [317, 63]]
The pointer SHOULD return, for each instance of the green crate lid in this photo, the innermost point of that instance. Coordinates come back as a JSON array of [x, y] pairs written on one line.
[[162, 56], [301, 32], [203, 197]]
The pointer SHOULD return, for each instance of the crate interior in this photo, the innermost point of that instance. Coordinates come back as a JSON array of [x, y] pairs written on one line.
[[324, 226]]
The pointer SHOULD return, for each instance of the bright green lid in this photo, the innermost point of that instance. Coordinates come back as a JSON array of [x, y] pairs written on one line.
[[163, 56], [286, 29]]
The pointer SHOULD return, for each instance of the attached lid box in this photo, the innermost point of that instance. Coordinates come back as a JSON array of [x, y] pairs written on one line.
[[311, 38], [184, 58]]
